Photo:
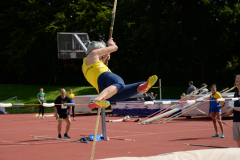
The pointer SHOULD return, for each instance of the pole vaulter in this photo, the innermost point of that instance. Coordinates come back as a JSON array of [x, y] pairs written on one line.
[[111, 87]]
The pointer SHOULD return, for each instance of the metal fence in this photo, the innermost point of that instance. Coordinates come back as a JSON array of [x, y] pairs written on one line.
[[11, 99]]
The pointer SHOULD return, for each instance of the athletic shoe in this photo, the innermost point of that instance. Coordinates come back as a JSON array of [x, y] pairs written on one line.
[[59, 136], [147, 85], [126, 120], [66, 136], [137, 120], [215, 135], [223, 136], [42, 117], [98, 103], [74, 119]]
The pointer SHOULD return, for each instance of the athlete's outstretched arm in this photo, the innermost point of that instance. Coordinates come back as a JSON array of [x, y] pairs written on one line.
[[95, 54], [106, 57]]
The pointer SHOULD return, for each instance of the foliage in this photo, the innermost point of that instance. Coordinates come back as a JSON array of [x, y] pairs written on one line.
[[177, 40]]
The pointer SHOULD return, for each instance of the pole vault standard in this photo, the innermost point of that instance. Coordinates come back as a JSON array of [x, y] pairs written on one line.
[[160, 89]]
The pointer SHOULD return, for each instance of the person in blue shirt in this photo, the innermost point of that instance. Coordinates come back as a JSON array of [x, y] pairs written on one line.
[[191, 87], [204, 90], [152, 96], [145, 98], [236, 116], [215, 109]]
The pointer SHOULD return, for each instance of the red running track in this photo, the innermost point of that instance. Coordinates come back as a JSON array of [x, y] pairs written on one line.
[[152, 139]]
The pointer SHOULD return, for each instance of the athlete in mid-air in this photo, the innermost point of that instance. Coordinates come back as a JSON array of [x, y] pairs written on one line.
[[110, 86]]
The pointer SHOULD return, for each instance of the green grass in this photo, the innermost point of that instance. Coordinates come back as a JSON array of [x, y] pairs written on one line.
[[27, 94]]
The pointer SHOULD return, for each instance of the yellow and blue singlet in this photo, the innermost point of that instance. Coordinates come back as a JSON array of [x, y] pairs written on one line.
[[93, 71], [214, 106]]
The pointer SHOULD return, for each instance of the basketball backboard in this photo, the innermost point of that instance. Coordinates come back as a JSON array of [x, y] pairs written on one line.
[[72, 45]]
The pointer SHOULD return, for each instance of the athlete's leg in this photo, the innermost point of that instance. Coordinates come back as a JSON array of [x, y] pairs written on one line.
[[73, 111], [59, 126], [42, 111], [238, 143], [218, 116], [68, 120], [213, 114], [148, 84], [113, 88], [107, 92], [108, 85], [111, 85], [129, 91]]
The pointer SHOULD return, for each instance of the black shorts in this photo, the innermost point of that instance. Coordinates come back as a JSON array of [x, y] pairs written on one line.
[[64, 116]]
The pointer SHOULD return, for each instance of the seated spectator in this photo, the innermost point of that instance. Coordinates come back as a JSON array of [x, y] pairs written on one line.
[[145, 98], [142, 98], [191, 87], [153, 97], [204, 90]]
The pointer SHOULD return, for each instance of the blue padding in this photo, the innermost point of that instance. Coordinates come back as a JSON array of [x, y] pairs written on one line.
[[119, 111]]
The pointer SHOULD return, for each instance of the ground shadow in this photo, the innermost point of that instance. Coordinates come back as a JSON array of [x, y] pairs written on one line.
[[35, 140], [20, 143], [187, 139], [200, 119]]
